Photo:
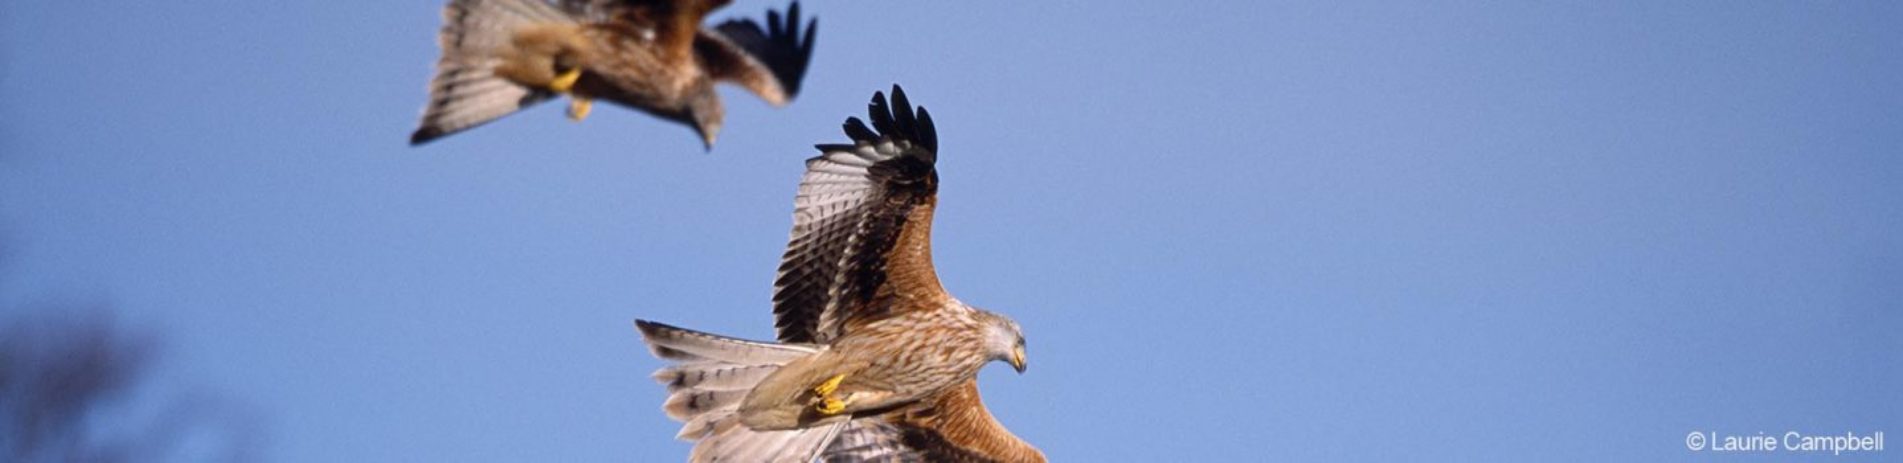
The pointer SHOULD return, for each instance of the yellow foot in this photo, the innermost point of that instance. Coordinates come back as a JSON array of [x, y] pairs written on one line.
[[831, 384], [830, 406], [578, 108], [565, 81]]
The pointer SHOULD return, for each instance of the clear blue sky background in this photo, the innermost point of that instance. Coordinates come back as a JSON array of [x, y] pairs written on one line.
[[1245, 231]]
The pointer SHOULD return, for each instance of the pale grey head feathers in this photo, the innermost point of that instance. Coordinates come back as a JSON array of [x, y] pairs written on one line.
[[1004, 340]]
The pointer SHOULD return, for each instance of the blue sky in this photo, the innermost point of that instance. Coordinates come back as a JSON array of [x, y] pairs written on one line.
[[1242, 232]]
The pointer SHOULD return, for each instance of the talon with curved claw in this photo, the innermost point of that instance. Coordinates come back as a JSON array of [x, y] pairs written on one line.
[[829, 405]]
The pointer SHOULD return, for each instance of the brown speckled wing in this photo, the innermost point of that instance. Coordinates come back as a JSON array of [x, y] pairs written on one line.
[[857, 203]]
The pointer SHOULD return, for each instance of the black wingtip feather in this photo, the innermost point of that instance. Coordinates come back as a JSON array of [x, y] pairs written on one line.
[[856, 129], [793, 19], [881, 114], [895, 119], [927, 133], [902, 108], [425, 135], [648, 327], [806, 42]]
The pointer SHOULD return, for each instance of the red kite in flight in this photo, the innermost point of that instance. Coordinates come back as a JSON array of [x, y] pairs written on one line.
[[875, 361], [500, 56]]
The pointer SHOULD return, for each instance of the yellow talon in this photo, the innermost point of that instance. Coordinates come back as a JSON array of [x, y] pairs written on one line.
[[827, 404], [565, 81], [831, 406], [832, 384], [578, 108]]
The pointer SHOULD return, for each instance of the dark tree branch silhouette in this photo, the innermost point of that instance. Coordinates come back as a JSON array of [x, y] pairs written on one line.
[[69, 377], [56, 376]]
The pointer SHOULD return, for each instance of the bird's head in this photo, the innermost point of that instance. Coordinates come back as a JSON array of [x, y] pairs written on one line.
[[1004, 340]]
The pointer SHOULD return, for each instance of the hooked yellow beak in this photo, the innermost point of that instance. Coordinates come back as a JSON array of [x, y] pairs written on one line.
[[1017, 359]]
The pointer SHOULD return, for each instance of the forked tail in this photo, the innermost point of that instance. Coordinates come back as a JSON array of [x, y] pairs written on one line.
[[710, 376], [466, 92]]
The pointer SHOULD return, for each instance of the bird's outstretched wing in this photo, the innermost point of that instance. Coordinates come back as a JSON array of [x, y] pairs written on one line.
[[955, 427], [770, 61], [466, 92], [861, 226]]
